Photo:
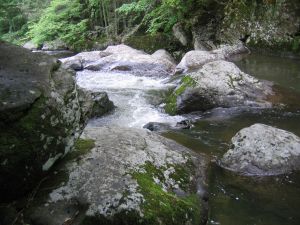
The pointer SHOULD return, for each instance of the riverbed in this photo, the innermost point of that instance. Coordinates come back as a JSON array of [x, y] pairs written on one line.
[[233, 199]]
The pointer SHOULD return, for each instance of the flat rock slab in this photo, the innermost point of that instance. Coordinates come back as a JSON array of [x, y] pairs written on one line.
[[263, 150], [131, 176]]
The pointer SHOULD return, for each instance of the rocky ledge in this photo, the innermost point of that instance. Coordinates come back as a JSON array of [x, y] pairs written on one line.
[[125, 176], [41, 116], [263, 150]]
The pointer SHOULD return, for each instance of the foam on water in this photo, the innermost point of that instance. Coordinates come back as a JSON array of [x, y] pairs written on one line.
[[128, 93]]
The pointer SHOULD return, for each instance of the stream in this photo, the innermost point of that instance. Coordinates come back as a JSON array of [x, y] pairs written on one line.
[[234, 200]]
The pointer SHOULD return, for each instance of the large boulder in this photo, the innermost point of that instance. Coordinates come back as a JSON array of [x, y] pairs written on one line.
[[218, 84], [263, 150], [195, 59], [122, 58], [40, 117], [130, 176]]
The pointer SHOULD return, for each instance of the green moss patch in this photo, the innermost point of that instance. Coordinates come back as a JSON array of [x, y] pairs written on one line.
[[165, 207], [171, 102], [82, 146]]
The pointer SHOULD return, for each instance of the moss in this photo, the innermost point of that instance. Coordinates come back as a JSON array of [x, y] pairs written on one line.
[[171, 102], [82, 146], [162, 207]]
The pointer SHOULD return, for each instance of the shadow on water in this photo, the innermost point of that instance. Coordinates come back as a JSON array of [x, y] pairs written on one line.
[[238, 200]]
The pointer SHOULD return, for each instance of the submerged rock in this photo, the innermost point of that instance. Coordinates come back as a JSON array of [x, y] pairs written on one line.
[[263, 150], [40, 117], [218, 84], [130, 176], [195, 59], [122, 58]]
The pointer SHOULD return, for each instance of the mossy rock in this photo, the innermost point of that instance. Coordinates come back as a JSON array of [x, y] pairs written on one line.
[[40, 117], [171, 101], [124, 176]]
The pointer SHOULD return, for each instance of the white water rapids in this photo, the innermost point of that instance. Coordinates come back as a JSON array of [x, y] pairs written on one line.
[[131, 96]]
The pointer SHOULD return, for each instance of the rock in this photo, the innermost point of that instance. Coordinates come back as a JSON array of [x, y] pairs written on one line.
[[102, 104], [122, 58], [40, 117], [263, 150], [54, 45], [31, 46], [130, 176], [263, 25], [180, 34], [196, 59], [184, 124], [218, 84], [156, 126], [164, 55], [79, 61]]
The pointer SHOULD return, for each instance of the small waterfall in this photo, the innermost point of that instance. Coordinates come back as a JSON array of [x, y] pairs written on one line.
[[130, 95]]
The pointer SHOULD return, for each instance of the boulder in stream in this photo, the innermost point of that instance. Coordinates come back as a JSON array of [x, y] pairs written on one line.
[[218, 84], [130, 176], [40, 117], [195, 59], [124, 59], [263, 150]]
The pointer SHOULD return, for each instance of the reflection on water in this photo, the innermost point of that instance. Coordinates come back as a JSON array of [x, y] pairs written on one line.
[[236, 200], [283, 71]]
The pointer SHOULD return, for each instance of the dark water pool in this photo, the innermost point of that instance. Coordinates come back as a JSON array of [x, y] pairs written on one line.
[[237, 200]]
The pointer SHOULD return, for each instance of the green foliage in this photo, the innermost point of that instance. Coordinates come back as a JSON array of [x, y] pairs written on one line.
[[14, 16], [64, 20], [159, 16]]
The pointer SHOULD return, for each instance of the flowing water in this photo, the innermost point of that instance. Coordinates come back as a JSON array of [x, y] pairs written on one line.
[[234, 200]]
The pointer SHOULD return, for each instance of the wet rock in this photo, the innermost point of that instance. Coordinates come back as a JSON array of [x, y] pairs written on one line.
[[263, 150], [131, 176], [195, 59], [79, 61], [155, 126], [122, 58], [102, 104], [184, 124], [40, 117], [218, 84]]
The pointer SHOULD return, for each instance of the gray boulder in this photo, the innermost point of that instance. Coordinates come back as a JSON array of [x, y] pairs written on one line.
[[31, 46], [54, 45], [218, 84], [263, 150], [195, 59], [124, 59], [40, 117], [130, 176]]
